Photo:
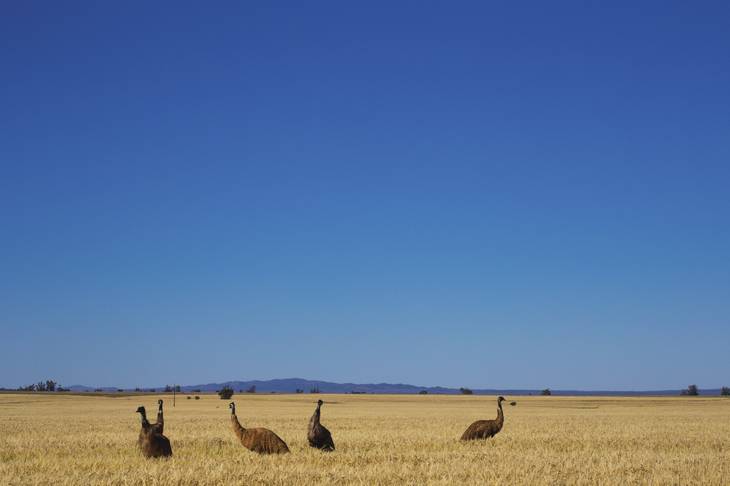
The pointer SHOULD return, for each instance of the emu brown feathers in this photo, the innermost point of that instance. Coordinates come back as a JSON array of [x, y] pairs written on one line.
[[318, 435], [259, 439], [151, 441], [484, 429]]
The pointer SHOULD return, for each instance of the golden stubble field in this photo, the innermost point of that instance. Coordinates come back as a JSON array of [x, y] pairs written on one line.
[[66, 439]]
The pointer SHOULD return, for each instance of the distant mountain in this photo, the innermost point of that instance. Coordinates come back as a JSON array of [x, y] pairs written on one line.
[[291, 385]]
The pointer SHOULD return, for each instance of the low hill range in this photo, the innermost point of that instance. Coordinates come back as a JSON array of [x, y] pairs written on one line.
[[292, 385]]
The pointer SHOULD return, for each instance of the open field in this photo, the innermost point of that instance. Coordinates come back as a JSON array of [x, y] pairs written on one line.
[[56, 439]]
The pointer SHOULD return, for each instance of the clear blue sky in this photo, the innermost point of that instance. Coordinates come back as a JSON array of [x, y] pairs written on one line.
[[486, 194]]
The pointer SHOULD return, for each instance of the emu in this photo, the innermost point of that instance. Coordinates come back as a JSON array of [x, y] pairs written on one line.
[[484, 429], [259, 439], [318, 435], [151, 441]]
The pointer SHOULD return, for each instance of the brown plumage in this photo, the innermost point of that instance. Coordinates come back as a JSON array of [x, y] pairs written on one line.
[[318, 435], [259, 439], [151, 441], [484, 429]]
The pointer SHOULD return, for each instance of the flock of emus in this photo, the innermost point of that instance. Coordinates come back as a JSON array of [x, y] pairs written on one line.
[[153, 442]]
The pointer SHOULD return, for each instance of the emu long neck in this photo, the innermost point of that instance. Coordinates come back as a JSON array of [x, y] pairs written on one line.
[[315, 417], [500, 415], [145, 423], [237, 429], [159, 414]]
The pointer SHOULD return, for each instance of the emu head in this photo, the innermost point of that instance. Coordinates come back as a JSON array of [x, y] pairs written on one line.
[[140, 410], [320, 403], [159, 402], [232, 406], [500, 399]]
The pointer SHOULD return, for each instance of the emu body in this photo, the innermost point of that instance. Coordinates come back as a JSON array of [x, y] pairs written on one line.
[[484, 429], [318, 435], [258, 439], [151, 441]]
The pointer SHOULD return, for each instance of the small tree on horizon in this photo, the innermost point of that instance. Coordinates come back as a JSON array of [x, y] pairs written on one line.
[[691, 391], [466, 391], [725, 391], [251, 389], [225, 393], [546, 392]]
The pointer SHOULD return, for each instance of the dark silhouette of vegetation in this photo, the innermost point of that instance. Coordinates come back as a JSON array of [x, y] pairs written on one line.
[[177, 388], [188, 397], [546, 392], [225, 393], [197, 397], [97, 390], [423, 392], [41, 386], [299, 390], [725, 391], [691, 391], [168, 389], [314, 390], [466, 391], [251, 389]]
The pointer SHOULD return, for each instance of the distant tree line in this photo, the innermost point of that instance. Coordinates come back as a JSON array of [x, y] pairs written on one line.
[[43, 386], [693, 391]]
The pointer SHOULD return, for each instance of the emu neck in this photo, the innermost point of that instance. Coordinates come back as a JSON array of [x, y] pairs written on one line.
[[315, 418], [145, 423], [237, 428], [500, 415]]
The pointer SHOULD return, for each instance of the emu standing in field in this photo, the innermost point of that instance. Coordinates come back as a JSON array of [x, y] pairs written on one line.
[[484, 429], [259, 439], [318, 435], [151, 441]]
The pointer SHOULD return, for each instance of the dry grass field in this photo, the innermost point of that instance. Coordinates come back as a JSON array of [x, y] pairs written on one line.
[[64, 439]]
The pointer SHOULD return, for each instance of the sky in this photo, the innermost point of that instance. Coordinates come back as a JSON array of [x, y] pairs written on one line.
[[483, 194]]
